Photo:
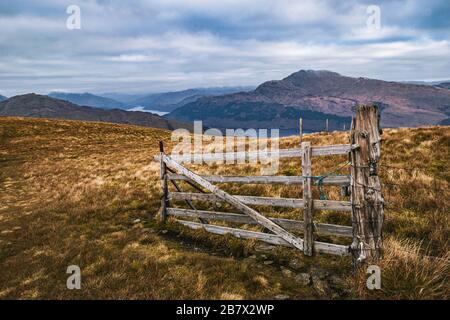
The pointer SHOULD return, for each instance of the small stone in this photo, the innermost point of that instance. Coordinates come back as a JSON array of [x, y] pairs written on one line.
[[337, 282], [136, 221], [145, 230], [252, 256], [335, 296], [286, 272], [320, 285], [320, 273], [268, 262], [164, 231], [303, 278], [281, 297], [295, 264]]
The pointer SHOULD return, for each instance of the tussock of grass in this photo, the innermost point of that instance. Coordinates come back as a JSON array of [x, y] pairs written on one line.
[[409, 273]]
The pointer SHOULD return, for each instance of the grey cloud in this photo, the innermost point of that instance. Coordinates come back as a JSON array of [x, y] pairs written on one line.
[[157, 45]]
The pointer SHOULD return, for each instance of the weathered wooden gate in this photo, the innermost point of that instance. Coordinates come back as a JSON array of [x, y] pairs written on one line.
[[366, 202]]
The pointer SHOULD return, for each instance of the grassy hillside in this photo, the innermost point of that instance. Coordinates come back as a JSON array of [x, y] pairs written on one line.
[[72, 193]]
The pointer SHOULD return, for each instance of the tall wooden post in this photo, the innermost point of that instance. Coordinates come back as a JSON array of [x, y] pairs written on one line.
[[164, 186], [308, 225], [301, 129], [366, 196]]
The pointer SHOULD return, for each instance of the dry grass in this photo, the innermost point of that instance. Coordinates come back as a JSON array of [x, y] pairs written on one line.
[[70, 192], [409, 273]]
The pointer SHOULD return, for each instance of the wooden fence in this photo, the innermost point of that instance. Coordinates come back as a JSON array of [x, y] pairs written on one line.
[[365, 205]]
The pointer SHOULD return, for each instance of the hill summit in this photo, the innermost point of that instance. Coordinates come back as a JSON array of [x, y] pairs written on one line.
[[316, 95]]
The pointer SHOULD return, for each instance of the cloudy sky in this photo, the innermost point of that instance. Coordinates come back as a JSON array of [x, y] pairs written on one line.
[[148, 46]]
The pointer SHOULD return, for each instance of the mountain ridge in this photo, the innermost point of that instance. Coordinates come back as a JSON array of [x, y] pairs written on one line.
[[88, 99], [445, 85], [169, 101], [325, 93], [41, 106]]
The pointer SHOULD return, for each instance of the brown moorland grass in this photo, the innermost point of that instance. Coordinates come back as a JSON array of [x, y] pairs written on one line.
[[70, 193]]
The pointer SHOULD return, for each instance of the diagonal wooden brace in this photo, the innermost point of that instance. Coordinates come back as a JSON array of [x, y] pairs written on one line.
[[233, 201]]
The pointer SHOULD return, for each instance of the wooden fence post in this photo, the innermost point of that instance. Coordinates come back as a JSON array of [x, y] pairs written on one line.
[[301, 130], [366, 197], [164, 186], [308, 226]]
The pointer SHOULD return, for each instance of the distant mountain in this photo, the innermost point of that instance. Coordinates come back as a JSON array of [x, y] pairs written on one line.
[[445, 122], [39, 106], [315, 96], [169, 101], [445, 85], [125, 98], [88, 99], [2, 98], [429, 83]]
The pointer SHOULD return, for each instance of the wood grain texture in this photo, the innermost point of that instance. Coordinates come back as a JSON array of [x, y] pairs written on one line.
[[295, 225], [308, 226], [286, 180], [367, 200], [265, 201], [254, 155], [164, 187]]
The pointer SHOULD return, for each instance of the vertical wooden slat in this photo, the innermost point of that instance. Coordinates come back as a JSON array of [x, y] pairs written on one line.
[[307, 197], [164, 186], [367, 200], [301, 130]]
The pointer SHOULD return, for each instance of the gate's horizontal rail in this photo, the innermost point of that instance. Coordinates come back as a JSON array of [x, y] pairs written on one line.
[[265, 201], [287, 180], [269, 238], [252, 200], [322, 228], [254, 155]]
